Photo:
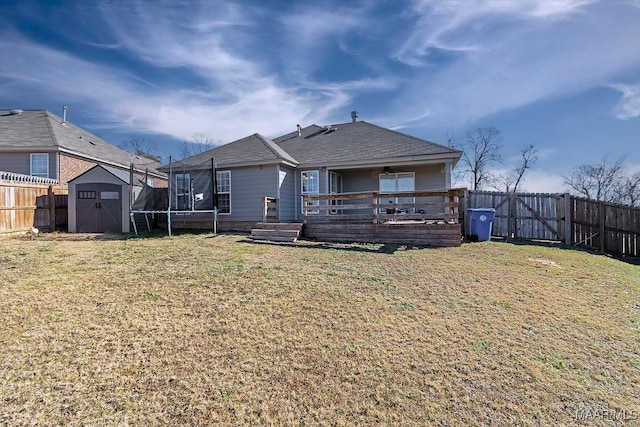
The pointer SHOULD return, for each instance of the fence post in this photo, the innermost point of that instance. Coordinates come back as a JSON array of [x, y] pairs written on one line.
[[512, 216], [463, 211], [51, 197], [568, 221], [601, 226]]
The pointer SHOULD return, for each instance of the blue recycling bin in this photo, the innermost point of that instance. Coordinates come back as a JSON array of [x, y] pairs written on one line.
[[480, 223]]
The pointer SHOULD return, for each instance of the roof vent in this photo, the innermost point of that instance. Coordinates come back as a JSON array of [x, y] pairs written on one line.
[[354, 116], [15, 111], [329, 129], [299, 130], [64, 114]]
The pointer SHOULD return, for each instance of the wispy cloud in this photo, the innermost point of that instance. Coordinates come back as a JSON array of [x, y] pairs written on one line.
[[227, 69], [535, 51], [628, 107]]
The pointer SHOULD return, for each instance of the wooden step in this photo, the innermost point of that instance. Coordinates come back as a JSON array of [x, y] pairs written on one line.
[[276, 232], [263, 232], [273, 238], [279, 226]]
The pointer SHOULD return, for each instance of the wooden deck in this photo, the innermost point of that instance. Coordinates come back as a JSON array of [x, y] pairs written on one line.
[[422, 218]]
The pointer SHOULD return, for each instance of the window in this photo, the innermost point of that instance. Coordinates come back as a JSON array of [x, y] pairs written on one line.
[[223, 189], [40, 165], [395, 182], [83, 195], [310, 186], [183, 191]]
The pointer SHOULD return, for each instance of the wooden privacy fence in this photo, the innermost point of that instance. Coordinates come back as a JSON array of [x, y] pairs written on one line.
[[607, 227], [24, 205]]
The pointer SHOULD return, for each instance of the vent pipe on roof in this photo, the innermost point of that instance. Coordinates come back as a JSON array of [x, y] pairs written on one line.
[[64, 114], [299, 130], [354, 116]]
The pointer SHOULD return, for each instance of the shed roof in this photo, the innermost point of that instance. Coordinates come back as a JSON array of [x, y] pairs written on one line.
[[122, 175]]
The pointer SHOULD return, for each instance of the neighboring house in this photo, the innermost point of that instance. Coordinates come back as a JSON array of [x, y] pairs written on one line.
[[39, 143], [341, 158]]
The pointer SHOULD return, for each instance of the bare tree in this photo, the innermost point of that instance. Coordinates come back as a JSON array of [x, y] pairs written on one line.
[[198, 143], [627, 190], [596, 181], [481, 149], [511, 182], [140, 147]]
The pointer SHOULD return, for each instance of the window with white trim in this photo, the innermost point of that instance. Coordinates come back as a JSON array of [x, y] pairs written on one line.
[[183, 191], [397, 182], [310, 186], [40, 164], [223, 189]]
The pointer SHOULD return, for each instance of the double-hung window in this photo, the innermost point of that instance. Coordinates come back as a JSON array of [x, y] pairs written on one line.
[[310, 186], [223, 188], [183, 191], [40, 165]]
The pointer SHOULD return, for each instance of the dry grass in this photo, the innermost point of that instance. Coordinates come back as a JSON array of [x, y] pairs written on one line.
[[197, 330]]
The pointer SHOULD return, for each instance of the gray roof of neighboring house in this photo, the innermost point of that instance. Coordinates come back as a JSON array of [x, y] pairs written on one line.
[[42, 130], [357, 143], [251, 150]]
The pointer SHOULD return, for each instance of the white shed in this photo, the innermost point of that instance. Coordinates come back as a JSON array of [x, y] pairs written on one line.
[[99, 200]]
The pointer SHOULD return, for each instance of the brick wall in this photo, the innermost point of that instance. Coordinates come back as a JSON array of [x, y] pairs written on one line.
[[70, 167]]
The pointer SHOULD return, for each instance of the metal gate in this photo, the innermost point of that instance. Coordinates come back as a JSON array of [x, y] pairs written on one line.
[[99, 208]]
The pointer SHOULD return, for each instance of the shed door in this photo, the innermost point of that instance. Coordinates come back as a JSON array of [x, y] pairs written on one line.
[[99, 208]]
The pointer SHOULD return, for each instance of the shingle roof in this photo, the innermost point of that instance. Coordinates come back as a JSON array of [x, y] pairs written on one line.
[[122, 175], [43, 130], [357, 142], [251, 150]]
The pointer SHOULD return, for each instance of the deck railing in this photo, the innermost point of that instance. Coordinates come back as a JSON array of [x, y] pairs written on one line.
[[382, 207]]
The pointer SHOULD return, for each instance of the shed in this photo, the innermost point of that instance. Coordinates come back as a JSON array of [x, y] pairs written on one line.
[[99, 200]]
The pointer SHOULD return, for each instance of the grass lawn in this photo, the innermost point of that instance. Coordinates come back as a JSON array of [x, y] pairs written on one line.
[[201, 330]]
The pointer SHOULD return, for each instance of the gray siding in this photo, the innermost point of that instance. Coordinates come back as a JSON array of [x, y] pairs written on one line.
[[248, 186], [21, 163], [428, 177], [287, 197]]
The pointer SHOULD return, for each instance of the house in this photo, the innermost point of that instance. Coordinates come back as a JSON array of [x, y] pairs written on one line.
[[39, 143], [351, 157]]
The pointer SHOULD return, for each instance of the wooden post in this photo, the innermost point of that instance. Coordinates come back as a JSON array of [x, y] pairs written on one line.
[[376, 201], [568, 221], [265, 208], [52, 209], [304, 209], [512, 216], [601, 225]]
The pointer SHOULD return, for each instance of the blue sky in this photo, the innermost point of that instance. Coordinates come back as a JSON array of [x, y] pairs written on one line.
[[561, 74]]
